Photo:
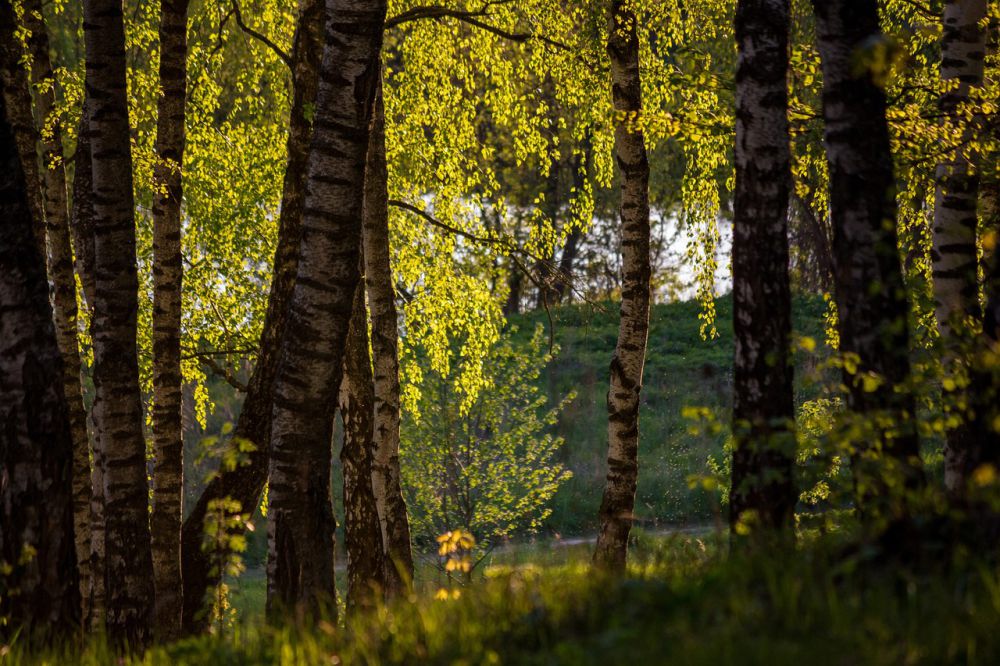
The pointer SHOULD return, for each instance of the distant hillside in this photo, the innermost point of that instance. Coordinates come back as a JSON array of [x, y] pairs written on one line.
[[682, 370]]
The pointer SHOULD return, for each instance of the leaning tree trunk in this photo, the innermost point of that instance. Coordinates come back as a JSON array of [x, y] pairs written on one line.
[[301, 523], [60, 266], [128, 563], [763, 491], [17, 96], [955, 262], [168, 445], [870, 292], [41, 587], [245, 482], [385, 351], [362, 528], [618, 503]]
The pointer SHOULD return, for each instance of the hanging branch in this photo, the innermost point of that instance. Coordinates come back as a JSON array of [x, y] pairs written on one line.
[[287, 59]]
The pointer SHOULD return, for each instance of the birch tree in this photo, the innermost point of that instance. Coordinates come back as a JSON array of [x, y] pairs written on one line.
[[763, 490], [618, 502], [168, 445], [37, 553], [301, 522], [870, 293], [128, 568]]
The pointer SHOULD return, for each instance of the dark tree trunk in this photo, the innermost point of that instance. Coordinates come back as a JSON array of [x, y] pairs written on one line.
[[246, 482], [870, 292], [955, 261], [301, 522], [82, 230], [385, 351], [618, 503], [41, 589], [362, 528], [17, 96], [168, 273], [128, 559], [82, 214], [60, 268], [763, 491]]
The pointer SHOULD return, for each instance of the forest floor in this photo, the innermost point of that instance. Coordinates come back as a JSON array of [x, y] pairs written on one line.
[[686, 600]]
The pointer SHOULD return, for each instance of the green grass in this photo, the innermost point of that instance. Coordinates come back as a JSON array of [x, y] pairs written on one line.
[[685, 601], [682, 370]]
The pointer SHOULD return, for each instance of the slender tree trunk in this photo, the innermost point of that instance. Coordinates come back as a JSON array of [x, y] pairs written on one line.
[[60, 270], [955, 262], [618, 503], [128, 563], [301, 522], [763, 490], [82, 229], [168, 445], [362, 527], [82, 212], [17, 96], [870, 292], [385, 350], [246, 482], [41, 587]]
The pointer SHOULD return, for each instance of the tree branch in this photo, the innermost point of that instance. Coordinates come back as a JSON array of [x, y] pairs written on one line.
[[287, 59]]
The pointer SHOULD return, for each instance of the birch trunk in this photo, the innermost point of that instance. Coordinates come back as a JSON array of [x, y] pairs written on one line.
[[128, 559], [618, 503], [954, 255], [41, 594], [870, 293], [763, 491], [246, 482], [301, 522], [82, 230], [60, 270], [385, 351], [168, 445], [362, 527]]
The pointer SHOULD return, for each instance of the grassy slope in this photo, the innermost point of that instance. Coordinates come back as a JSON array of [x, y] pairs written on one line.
[[682, 370]]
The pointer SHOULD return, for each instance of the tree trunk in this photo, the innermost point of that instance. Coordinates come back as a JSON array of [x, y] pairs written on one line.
[[301, 523], [246, 482], [41, 594], [763, 490], [17, 96], [168, 272], [617, 505], [870, 292], [129, 564], [955, 262], [82, 213], [60, 270], [385, 350], [362, 527]]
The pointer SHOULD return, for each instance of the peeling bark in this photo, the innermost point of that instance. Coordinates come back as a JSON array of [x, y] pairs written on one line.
[[168, 273], [128, 560], [385, 351], [618, 502], [41, 592], [763, 491], [301, 523]]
